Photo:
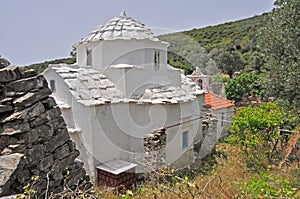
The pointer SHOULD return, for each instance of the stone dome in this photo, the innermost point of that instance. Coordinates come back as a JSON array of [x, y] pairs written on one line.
[[120, 27]]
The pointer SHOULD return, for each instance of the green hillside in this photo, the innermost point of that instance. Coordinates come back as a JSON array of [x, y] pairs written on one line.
[[40, 67], [234, 40]]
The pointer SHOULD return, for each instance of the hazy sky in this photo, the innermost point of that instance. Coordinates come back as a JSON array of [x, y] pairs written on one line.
[[40, 30]]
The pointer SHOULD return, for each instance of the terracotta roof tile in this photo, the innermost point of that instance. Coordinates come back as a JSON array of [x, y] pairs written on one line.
[[216, 102]]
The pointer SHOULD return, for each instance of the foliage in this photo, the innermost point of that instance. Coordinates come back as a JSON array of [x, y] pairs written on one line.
[[228, 177], [244, 86], [237, 39], [256, 130], [265, 185], [280, 39], [29, 191], [229, 62]]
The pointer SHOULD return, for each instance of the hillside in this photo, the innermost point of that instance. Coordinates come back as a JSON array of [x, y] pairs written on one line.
[[236, 39], [40, 67]]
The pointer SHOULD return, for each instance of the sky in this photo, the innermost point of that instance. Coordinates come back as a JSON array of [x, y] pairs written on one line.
[[34, 31]]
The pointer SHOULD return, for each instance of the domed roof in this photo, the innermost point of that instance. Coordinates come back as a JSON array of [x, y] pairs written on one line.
[[120, 27]]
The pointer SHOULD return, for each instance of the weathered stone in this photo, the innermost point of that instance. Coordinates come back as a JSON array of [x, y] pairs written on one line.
[[26, 114], [6, 140], [6, 151], [4, 62], [8, 93], [29, 138], [46, 163], [38, 121], [6, 100], [56, 175], [14, 148], [24, 85], [49, 102], [68, 160], [12, 128], [5, 108], [25, 177], [62, 152], [9, 73], [51, 115], [34, 155], [32, 126], [57, 123], [32, 97], [59, 140], [28, 73], [8, 167]]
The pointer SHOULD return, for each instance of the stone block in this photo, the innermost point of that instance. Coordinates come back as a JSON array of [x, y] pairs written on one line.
[[13, 128], [24, 85], [49, 102], [6, 140], [24, 177], [26, 114], [34, 155], [56, 141], [43, 132], [28, 73], [33, 136], [62, 152], [58, 123], [8, 166], [5, 108], [32, 97], [10, 73], [46, 162]]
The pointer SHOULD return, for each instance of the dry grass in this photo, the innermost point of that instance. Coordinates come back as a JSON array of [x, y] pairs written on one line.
[[223, 176]]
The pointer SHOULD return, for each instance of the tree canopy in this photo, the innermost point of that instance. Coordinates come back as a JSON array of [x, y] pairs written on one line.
[[280, 39]]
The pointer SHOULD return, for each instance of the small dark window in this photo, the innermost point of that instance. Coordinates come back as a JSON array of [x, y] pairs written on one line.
[[89, 57], [185, 139], [52, 85], [156, 59], [200, 83]]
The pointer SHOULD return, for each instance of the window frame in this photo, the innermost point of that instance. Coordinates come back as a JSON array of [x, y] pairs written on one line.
[[185, 140], [52, 85], [89, 57]]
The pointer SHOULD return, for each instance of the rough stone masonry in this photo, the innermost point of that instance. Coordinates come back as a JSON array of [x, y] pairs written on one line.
[[33, 137]]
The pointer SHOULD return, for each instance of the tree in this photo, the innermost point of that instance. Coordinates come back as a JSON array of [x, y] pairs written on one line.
[[280, 39], [257, 62], [230, 62], [244, 86], [256, 130]]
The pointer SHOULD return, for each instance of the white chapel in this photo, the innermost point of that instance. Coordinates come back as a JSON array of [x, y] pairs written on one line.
[[122, 88]]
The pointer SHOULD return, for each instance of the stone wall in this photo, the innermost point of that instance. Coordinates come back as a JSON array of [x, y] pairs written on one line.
[[154, 149], [33, 137]]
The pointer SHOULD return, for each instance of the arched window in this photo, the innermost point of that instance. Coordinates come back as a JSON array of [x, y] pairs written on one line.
[[200, 83]]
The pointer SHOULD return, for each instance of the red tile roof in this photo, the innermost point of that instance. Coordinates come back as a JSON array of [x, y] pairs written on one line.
[[216, 102]]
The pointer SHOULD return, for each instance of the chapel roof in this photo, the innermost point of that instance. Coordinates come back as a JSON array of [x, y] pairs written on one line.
[[88, 86], [120, 27], [91, 87], [216, 102]]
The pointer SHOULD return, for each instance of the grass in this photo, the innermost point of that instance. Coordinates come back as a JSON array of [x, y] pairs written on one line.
[[223, 175]]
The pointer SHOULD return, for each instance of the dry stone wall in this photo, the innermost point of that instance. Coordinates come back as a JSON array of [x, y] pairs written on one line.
[[33, 137], [154, 149]]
